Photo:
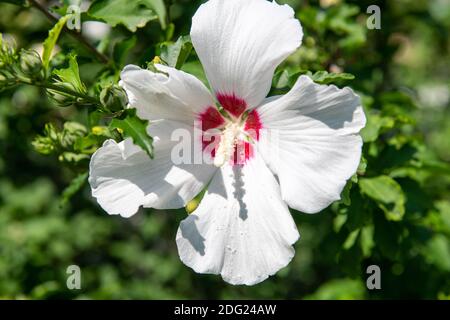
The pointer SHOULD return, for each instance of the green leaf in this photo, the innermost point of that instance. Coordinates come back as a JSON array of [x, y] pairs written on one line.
[[70, 77], [51, 40], [342, 21], [281, 79], [122, 49], [176, 54], [74, 186], [444, 212], [339, 221], [362, 168], [90, 143], [345, 194], [366, 240], [284, 79], [131, 126], [351, 239], [376, 124], [132, 14], [339, 289], [437, 252], [196, 69], [159, 8], [16, 2], [324, 77], [387, 193]]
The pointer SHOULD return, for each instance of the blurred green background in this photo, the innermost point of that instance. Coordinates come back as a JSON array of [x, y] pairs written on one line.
[[396, 216]]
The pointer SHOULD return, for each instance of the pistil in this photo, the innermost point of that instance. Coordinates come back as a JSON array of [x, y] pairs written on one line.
[[228, 140]]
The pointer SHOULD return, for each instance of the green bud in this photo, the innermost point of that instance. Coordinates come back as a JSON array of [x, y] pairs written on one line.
[[113, 98], [51, 132], [71, 133], [43, 145], [62, 99], [31, 64], [75, 128], [192, 205], [72, 157], [47, 143]]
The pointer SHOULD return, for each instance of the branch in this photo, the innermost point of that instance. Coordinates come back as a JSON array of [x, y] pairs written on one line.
[[100, 56], [60, 89]]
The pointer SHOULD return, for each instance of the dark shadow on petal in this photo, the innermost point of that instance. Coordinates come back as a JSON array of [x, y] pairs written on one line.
[[217, 185], [139, 167], [190, 232], [239, 191]]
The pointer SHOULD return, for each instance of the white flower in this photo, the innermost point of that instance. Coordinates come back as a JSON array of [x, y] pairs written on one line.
[[242, 228]]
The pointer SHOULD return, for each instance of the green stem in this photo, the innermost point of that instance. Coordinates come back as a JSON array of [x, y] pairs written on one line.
[[60, 89], [168, 4], [70, 92]]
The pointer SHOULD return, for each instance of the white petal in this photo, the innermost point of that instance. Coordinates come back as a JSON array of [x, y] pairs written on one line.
[[241, 229], [171, 95], [123, 177], [311, 142], [241, 42]]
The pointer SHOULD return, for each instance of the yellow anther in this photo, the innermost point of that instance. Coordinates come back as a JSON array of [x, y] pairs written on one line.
[[157, 60], [99, 130]]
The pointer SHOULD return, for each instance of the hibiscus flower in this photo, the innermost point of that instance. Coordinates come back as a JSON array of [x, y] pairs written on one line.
[[242, 228]]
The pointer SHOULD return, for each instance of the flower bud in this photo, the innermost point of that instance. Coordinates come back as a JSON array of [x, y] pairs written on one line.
[[31, 64], [113, 98], [192, 205]]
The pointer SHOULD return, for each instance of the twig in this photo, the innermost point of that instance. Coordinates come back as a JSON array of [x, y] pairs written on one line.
[[100, 56], [60, 89]]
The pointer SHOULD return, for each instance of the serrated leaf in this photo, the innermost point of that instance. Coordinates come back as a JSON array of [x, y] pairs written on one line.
[[70, 77], [176, 54], [51, 40], [387, 193], [132, 14], [135, 128], [74, 186]]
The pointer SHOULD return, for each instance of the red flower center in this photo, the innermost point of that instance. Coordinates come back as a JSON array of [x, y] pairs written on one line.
[[230, 138]]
